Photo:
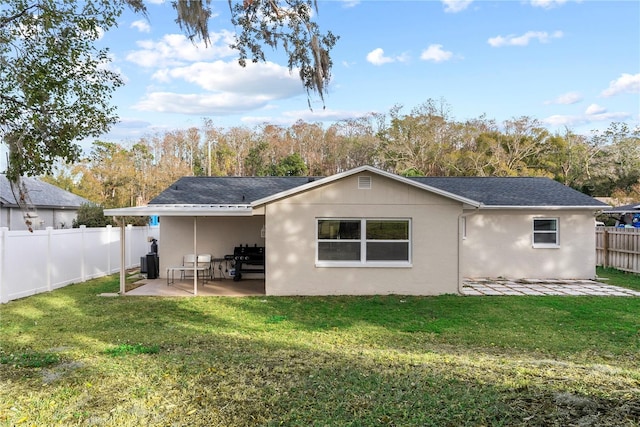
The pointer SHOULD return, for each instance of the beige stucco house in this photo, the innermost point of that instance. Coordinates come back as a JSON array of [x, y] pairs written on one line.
[[366, 231]]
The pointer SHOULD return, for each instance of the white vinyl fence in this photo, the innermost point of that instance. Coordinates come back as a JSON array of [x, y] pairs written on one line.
[[44, 260]]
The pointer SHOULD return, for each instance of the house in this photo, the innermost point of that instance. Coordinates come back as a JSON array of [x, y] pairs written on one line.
[[53, 206], [366, 231], [625, 215]]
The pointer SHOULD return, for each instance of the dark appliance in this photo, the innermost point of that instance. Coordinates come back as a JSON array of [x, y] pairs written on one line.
[[248, 260]]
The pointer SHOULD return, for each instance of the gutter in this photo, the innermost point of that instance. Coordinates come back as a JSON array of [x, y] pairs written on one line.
[[549, 208]]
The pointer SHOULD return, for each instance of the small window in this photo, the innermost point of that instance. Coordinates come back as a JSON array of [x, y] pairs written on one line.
[[545, 233], [362, 242]]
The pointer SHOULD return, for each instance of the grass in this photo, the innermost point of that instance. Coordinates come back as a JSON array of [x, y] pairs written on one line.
[[620, 278], [317, 361]]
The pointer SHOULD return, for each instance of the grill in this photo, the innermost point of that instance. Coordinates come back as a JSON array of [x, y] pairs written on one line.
[[248, 260]]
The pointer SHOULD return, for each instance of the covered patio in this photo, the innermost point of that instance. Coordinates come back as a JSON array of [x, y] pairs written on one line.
[[184, 287]]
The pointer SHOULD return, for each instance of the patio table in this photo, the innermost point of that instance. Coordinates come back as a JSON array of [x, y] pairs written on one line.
[[182, 269]]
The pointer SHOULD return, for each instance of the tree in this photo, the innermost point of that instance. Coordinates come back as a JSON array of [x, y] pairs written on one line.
[[615, 163], [287, 23], [55, 87], [292, 165], [91, 215]]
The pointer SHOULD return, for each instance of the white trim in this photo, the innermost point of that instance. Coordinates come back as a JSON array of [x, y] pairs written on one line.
[[363, 245], [545, 208], [534, 232], [182, 210], [364, 264], [338, 176]]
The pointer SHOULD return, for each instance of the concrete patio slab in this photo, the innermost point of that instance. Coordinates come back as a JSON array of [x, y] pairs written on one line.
[[539, 287], [184, 288]]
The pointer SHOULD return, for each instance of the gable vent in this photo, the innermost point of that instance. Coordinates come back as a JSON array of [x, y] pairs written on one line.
[[364, 183]]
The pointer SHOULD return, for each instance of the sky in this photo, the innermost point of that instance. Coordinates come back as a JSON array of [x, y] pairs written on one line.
[[569, 64]]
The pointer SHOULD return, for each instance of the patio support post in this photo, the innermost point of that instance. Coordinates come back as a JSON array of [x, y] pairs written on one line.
[[195, 251]]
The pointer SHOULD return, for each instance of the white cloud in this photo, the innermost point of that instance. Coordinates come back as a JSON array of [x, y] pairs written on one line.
[[260, 79], [455, 6], [435, 53], [226, 87], [133, 123], [141, 25], [523, 40], [376, 57], [547, 4], [288, 118], [177, 49], [593, 114], [566, 99], [595, 109], [200, 104], [626, 83], [350, 3]]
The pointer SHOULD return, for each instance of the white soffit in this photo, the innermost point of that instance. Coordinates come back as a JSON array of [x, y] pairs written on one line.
[[182, 210]]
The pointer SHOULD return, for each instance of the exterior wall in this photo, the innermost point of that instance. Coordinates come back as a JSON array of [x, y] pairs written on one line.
[[291, 240], [57, 218], [216, 236], [499, 244]]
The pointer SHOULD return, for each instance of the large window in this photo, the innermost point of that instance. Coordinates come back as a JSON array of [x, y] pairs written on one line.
[[357, 242], [545, 233]]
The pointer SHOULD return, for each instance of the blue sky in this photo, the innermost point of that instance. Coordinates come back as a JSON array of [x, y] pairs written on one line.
[[572, 64]]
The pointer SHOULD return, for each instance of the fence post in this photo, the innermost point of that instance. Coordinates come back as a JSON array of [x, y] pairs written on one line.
[[109, 227], [83, 229], [49, 256], [4, 296], [605, 248], [129, 239]]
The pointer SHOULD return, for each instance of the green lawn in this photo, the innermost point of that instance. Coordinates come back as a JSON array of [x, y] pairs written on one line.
[[70, 357]]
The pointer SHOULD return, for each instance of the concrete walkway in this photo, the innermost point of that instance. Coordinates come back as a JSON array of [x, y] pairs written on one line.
[[543, 287], [472, 286]]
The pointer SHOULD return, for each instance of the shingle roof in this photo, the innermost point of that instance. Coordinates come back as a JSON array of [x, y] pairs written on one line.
[[512, 191], [634, 207], [208, 190], [42, 194], [490, 191]]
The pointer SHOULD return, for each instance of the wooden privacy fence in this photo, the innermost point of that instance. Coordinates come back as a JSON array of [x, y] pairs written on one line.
[[618, 248]]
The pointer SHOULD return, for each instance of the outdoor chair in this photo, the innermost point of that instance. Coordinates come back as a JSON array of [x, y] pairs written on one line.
[[202, 267], [187, 262]]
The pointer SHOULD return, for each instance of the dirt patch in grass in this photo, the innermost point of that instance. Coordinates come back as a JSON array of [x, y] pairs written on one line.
[[568, 409]]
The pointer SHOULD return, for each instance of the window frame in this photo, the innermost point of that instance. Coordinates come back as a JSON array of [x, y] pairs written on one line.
[[363, 262], [555, 232]]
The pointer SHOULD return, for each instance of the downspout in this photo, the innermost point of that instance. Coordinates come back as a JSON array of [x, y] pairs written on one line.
[[462, 216]]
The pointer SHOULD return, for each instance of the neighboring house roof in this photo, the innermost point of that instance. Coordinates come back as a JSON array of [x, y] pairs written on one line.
[[514, 192], [632, 208], [42, 195], [211, 196]]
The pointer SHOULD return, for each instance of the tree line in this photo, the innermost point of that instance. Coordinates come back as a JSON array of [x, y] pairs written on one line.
[[426, 141]]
